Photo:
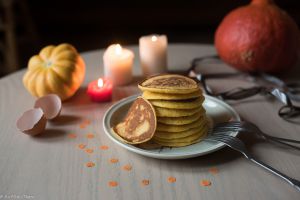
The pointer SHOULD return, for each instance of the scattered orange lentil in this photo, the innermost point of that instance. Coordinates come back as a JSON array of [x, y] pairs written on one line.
[[145, 182], [90, 164], [114, 160], [89, 150], [82, 126], [113, 183], [90, 135], [104, 147], [87, 122], [213, 170], [81, 146], [171, 179], [205, 183], [72, 135], [127, 167]]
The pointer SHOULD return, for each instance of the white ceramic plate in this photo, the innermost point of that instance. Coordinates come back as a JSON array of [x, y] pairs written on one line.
[[216, 109]]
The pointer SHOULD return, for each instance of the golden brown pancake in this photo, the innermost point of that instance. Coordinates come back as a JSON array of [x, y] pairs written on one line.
[[183, 104], [179, 128], [167, 112], [166, 96], [180, 120], [169, 83]]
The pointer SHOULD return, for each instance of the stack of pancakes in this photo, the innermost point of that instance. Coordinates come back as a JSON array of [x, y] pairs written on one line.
[[177, 100]]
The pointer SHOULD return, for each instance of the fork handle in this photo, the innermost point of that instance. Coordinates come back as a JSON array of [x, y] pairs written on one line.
[[282, 139], [291, 181]]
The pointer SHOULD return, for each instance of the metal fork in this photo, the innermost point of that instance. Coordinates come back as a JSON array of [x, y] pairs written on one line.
[[248, 127], [238, 145]]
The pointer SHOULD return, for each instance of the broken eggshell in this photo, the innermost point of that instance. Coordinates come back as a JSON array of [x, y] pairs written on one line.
[[32, 122], [50, 104]]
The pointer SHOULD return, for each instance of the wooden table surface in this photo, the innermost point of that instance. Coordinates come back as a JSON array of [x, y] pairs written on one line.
[[52, 166]]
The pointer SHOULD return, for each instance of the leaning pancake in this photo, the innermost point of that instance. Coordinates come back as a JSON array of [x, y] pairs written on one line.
[[166, 112], [165, 96], [177, 135], [183, 104], [139, 124], [169, 83], [179, 128], [180, 120]]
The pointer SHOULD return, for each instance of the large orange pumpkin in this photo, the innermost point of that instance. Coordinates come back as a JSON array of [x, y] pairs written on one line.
[[258, 37], [56, 69]]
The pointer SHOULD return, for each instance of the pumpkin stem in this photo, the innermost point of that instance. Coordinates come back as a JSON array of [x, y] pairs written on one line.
[[262, 2]]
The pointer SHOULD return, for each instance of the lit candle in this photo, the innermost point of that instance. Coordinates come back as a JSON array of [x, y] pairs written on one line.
[[118, 64], [153, 54], [100, 90]]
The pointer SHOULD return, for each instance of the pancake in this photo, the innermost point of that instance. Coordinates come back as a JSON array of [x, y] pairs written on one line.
[[182, 141], [165, 96], [139, 124], [177, 144], [179, 128], [180, 120], [178, 135], [166, 112], [169, 83], [184, 104], [186, 139]]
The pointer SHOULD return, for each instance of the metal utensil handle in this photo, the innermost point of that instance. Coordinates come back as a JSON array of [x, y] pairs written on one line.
[[288, 179]]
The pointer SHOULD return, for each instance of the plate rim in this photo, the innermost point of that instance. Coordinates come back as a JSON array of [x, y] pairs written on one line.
[[147, 153]]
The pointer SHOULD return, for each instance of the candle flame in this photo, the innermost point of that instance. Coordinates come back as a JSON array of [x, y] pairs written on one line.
[[100, 82], [118, 49], [154, 38]]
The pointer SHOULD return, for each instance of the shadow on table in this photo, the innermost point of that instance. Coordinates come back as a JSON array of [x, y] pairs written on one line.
[[66, 120], [51, 135], [79, 98]]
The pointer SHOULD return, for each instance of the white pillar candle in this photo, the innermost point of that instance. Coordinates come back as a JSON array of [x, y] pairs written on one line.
[[153, 54], [118, 63]]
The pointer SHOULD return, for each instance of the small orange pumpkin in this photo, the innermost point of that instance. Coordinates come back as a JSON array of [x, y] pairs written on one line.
[[55, 70]]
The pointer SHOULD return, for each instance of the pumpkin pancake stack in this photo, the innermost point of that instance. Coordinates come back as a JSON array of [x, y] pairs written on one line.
[[177, 101]]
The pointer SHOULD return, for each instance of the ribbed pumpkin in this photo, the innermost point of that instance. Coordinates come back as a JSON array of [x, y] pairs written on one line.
[[55, 70]]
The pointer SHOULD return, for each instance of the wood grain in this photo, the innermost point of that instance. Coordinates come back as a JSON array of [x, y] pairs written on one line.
[[53, 167]]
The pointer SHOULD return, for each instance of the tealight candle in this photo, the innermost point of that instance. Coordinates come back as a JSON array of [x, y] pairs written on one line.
[[118, 63], [153, 54], [100, 90]]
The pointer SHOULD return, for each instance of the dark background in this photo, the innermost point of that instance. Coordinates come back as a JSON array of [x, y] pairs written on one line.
[[92, 25]]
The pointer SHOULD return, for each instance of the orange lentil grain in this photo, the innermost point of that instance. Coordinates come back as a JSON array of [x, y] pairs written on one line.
[[114, 160], [81, 146], [90, 135], [113, 183], [72, 135], [213, 170], [171, 179], [89, 150], [104, 147], [87, 122], [127, 167], [145, 182], [90, 164], [205, 183], [82, 126]]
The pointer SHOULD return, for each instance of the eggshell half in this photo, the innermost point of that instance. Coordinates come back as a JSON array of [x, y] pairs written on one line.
[[32, 122], [50, 104]]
